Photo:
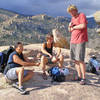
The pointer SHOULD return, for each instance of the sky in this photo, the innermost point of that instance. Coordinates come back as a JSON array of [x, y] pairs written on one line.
[[50, 7]]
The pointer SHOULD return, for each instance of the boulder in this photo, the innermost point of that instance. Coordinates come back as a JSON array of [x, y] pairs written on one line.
[[97, 17], [98, 30], [59, 39]]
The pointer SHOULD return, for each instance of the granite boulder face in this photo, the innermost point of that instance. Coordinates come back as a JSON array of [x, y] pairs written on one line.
[[40, 89], [97, 19]]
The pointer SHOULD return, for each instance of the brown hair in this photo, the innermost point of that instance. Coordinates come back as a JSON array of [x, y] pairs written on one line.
[[17, 44], [48, 36]]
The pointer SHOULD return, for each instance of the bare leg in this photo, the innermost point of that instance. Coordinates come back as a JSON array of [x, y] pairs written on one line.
[[82, 66], [61, 60], [77, 66], [20, 73], [43, 63], [28, 76]]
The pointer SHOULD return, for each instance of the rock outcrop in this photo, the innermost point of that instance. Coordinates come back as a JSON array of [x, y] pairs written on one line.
[[97, 19], [40, 89]]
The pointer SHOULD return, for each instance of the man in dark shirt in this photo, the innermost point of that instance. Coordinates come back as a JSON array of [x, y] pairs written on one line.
[[15, 67]]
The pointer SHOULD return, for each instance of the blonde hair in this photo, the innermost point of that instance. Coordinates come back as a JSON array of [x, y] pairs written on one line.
[[71, 7]]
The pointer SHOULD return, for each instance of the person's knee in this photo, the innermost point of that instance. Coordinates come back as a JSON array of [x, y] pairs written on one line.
[[61, 57], [77, 62], [82, 62], [19, 70], [44, 60]]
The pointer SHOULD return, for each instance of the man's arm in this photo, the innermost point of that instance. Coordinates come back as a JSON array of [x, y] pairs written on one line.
[[17, 60], [28, 60], [44, 51], [80, 26], [83, 23], [77, 27]]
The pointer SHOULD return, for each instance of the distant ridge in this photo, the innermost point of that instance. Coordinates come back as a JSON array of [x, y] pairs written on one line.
[[32, 29]]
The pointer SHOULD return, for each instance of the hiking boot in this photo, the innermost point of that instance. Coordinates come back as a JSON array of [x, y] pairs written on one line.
[[83, 82], [21, 89]]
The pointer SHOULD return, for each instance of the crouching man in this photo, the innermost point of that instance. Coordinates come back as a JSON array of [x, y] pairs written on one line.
[[15, 68]]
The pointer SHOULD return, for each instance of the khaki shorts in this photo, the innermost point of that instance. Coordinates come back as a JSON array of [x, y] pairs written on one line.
[[11, 74], [77, 51]]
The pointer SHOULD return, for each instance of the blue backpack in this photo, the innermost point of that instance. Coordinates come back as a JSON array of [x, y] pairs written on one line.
[[91, 66], [56, 74]]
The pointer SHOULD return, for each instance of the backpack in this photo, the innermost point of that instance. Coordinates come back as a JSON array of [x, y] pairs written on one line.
[[4, 55], [95, 63], [90, 66], [56, 74]]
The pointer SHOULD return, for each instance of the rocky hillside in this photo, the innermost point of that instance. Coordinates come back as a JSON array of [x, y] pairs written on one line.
[[39, 89], [29, 29], [32, 29]]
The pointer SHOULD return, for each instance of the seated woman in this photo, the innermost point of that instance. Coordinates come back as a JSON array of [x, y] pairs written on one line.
[[47, 57], [15, 67]]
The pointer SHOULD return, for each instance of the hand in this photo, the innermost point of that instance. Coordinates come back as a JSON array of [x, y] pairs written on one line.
[[70, 24], [54, 59], [37, 64], [71, 29], [50, 56]]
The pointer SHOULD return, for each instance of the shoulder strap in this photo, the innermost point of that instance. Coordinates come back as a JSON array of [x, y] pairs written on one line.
[[1, 54]]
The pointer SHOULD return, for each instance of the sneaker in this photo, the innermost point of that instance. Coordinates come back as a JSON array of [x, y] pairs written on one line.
[[83, 82], [15, 85], [21, 89]]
